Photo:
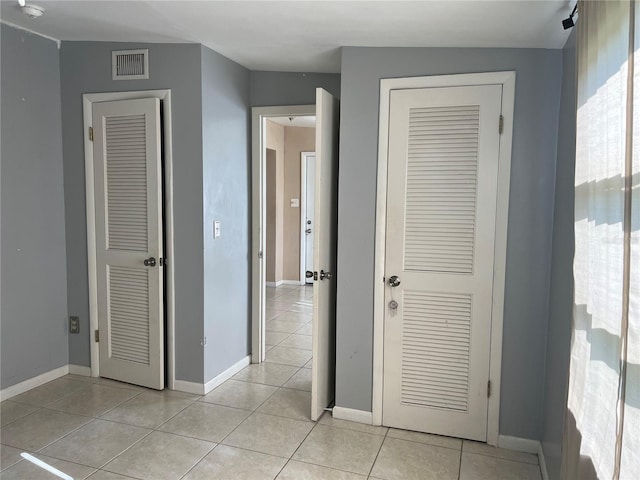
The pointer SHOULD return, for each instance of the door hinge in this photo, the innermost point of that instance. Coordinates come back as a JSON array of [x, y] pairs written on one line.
[[96, 335], [488, 388], [500, 124], [91, 134]]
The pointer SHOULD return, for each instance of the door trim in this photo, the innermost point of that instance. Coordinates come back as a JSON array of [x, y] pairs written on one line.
[[258, 217], [508, 81], [303, 211], [87, 100]]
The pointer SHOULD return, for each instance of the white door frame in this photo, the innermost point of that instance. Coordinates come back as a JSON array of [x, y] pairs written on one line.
[[303, 211], [258, 216], [87, 100], [508, 81]]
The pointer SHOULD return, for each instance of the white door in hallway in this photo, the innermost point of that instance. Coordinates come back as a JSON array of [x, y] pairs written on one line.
[[129, 247], [324, 251], [441, 215]]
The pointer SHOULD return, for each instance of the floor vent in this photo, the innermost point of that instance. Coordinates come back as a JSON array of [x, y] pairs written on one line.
[[130, 64]]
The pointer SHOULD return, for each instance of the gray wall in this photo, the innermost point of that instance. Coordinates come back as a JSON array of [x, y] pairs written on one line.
[[33, 271], [286, 88], [561, 288], [86, 68], [530, 216], [226, 184]]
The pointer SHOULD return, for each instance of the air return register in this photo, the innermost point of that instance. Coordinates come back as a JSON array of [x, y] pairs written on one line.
[[130, 64]]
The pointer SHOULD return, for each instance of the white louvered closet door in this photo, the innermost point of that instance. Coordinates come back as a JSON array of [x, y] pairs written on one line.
[[128, 200], [441, 207]]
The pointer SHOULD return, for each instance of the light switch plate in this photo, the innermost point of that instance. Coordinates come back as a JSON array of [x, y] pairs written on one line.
[[74, 324], [295, 203], [216, 229]]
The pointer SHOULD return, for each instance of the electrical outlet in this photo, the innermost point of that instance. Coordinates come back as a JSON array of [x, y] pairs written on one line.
[[74, 324]]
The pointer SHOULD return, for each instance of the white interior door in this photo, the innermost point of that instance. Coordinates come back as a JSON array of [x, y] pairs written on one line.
[[309, 222], [442, 184], [324, 251], [129, 250]]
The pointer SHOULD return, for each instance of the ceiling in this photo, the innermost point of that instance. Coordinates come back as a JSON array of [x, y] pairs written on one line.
[[302, 36], [309, 122]]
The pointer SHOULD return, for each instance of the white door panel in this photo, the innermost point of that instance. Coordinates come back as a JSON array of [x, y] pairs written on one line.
[[128, 201], [324, 251], [442, 184]]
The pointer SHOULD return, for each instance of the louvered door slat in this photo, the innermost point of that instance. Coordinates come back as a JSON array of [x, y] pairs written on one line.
[[126, 190], [429, 177], [129, 313], [453, 346]]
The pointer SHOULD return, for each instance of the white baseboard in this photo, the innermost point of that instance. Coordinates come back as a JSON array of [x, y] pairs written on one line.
[[204, 388], [189, 387], [227, 374], [18, 388], [79, 370], [274, 284], [359, 416], [543, 462], [518, 444], [292, 282]]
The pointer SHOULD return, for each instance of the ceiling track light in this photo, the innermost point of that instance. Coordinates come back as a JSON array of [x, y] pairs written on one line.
[[568, 22]]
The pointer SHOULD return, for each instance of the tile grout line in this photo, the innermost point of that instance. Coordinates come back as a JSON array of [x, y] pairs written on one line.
[[298, 447], [378, 453]]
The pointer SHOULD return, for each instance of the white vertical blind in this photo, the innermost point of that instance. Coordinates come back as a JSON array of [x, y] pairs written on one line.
[[630, 459], [596, 401]]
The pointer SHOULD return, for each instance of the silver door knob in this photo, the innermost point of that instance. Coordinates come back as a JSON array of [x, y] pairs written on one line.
[[150, 262], [327, 275], [394, 281]]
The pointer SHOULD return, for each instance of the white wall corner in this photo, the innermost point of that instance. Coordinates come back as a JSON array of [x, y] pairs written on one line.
[[352, 415], [33, 382], [227, 374]]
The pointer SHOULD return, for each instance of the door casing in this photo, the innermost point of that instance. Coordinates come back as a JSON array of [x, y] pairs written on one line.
[[507, 80], [259, 217], [87, 100]]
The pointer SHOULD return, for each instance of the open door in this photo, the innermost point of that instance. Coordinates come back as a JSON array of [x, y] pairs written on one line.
[[325, 240]]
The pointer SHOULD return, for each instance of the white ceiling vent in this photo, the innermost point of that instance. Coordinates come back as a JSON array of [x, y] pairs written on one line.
[[130, 64]]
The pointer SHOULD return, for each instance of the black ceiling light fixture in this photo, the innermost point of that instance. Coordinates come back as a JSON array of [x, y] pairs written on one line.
[[568, 22]]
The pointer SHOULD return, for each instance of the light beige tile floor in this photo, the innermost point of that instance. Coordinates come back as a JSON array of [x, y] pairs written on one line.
[[255, 426]]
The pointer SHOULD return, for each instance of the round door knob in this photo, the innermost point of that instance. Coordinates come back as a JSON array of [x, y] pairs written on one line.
[[150, 262], [327, 275], [394, 281]]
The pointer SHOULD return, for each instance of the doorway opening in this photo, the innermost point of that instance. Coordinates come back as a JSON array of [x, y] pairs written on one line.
[[293, 322], [289, 298]]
